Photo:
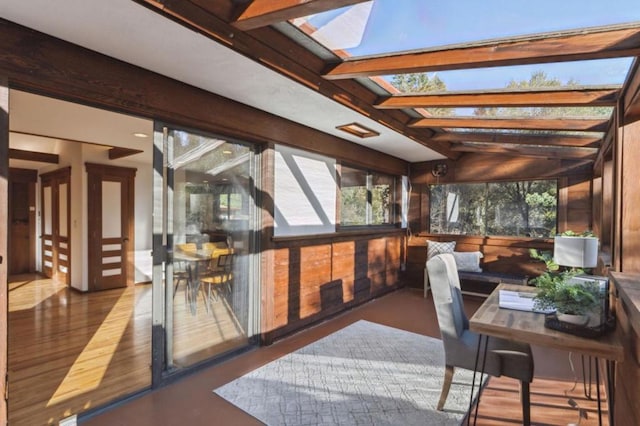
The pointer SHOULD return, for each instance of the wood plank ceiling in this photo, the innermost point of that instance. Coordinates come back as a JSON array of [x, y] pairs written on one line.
[[251, 28]]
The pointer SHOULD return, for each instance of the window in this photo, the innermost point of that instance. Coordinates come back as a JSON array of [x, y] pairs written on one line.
[[366, 198], [305, 193], [526, 208]]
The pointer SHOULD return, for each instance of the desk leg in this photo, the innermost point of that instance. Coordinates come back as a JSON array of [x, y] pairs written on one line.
[[481, 337], [610, 383], [611, 386], [598, 392]]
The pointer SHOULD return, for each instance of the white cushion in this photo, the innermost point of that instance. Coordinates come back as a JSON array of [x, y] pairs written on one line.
[[435, 248], [468, 261]]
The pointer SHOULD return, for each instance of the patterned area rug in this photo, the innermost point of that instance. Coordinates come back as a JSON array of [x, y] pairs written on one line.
[[364, 374]]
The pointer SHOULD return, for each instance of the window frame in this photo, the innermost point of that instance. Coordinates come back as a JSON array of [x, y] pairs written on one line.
[[370, 176], [427, 217]]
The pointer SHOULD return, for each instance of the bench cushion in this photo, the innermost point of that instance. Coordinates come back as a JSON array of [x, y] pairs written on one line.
[[468, 260], [493, 277]]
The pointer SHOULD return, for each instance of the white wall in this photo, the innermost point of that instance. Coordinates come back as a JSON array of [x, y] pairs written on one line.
[[76, 155]]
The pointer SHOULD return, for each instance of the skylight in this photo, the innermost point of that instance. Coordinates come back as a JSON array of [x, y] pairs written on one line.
[[598, 72], [388, 26]]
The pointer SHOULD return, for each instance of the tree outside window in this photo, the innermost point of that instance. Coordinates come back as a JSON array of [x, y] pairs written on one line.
[[366, 198], [526, 208]]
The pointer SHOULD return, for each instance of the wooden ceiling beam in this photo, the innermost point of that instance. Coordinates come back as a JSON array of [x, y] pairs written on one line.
[[631, 97], [574, 124], [40, 157], [528, 151], [520, 139], [261, 13], [117, 152], [596, 43], [601, 96]]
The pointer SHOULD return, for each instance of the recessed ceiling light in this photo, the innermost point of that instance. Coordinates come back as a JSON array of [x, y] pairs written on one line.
[[140, 135], [227, 152], [358, 130]]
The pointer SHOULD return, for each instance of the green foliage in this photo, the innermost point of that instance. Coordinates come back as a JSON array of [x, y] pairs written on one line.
[[540, 80], [354, 205], [546, 257], [420, 83], [525, 208], [555, 291], [570, 233]]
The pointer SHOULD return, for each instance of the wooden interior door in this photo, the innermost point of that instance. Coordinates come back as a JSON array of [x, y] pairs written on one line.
[[22, 217], [111, 203], [55, 224]]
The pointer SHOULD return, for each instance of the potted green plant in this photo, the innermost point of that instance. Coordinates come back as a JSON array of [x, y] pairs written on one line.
[[573, 302], [556, 289]]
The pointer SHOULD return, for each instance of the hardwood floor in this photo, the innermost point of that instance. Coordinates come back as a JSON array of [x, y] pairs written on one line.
[[191, 401], [70, 352]]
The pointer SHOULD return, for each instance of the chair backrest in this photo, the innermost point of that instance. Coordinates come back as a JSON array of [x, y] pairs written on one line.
[[447, 296], [225, 261], [219, 245], [187, 247]]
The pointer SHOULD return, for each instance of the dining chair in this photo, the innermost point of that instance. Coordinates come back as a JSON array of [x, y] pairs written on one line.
[[503, 357], [218, 279], [180, 273]]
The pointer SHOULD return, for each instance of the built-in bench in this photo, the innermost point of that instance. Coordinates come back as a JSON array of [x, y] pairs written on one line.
[[480, 288]]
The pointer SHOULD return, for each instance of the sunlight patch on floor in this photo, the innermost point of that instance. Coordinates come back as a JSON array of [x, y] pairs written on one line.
[[28, 293], [90, 367]]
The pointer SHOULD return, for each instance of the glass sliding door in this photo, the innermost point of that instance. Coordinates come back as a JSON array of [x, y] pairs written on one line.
[[209, 217]]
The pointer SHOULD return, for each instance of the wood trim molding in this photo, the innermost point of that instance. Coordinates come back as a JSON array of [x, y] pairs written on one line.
[[118, 152], [260, 13], [597, 43], [632, 95], [521, 139], [23, 175], [575, 124], [40, 157], [601, 96], [569, 153]]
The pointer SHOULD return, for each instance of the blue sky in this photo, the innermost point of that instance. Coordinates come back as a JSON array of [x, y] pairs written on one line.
[[397, 25]]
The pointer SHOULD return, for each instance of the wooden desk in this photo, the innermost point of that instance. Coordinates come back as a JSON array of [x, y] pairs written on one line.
[[528, 327]]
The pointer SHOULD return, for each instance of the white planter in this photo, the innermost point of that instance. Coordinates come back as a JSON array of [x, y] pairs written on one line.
[[573, 319]]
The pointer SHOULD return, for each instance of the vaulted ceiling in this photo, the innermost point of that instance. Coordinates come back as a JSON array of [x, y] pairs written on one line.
[[305, 60], [267, 32]]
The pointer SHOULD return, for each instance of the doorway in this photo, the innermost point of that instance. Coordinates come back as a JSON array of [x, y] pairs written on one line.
[[55, 224], [111, 223], [71, 350], [22, 219], [209, 218]]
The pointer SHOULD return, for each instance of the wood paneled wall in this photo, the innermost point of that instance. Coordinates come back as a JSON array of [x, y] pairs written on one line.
[[502, 254], [630, 198], [627, 410], [508, 255], [317, 277]]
